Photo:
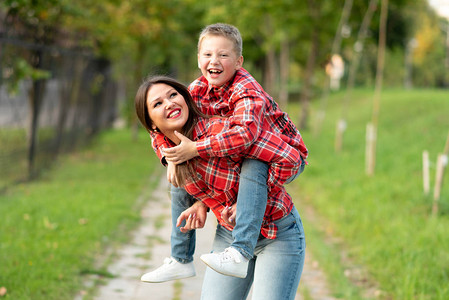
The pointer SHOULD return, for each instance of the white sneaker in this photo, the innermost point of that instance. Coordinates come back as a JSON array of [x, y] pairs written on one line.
[[229, 262], [170, 270]]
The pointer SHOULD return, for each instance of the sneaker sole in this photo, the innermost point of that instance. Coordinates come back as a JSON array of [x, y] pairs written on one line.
[[170, 279]]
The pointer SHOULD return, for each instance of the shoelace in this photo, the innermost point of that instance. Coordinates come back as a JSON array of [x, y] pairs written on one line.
[[168, 261], [229, 255]]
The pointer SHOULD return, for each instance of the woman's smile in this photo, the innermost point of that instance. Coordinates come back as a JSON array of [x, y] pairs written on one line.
[[175, 113]]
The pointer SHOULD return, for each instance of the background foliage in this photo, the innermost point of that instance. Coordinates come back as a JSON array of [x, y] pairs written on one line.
[[142, 37]]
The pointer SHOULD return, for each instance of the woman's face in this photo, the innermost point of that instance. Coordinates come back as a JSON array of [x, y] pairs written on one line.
[[167, 109]]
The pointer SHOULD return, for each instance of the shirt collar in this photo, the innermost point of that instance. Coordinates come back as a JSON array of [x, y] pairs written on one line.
[[224, 88]]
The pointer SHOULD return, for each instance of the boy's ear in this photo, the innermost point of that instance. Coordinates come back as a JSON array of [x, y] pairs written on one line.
[[239, 63], [198, 60]]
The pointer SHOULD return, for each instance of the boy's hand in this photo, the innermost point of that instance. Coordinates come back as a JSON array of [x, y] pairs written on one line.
[[228, 214], [183, 152], [171, 173], [195, 217]]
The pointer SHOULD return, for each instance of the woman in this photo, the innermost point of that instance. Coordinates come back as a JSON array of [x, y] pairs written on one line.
[[165, 105]]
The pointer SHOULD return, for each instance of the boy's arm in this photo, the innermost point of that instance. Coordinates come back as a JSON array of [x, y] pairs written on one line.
[[244, 128]]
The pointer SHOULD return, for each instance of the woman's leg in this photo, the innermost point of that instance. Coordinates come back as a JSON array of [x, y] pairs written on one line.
[[279, 262], [182, 244], [221, 287], [180, 264]]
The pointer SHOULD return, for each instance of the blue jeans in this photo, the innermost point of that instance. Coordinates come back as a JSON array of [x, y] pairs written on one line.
[[275, 269], [182, 244], [251, 205], [300, 170]]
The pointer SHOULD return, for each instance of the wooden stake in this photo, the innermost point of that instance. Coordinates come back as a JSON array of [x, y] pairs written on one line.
[[446, 146], [425, 172], [370, 151], [340, 129], [438, 182]]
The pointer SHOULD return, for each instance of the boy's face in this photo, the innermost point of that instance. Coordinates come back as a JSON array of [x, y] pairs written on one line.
[[218, 60]]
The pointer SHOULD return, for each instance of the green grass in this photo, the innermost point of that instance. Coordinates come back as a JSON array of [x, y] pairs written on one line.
[[13, 163], [54, 229], [383, 221]]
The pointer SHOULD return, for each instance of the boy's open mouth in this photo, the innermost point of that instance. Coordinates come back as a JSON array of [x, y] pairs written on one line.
[[215, 72]]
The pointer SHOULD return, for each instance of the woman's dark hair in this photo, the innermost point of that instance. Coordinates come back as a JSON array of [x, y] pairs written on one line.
[[140, 102]]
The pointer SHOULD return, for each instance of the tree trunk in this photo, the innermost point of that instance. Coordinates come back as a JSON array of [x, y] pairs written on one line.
[[336, 48], [138, 74], [354, 64], [270, 71], [35, 99], [284, 71], [69, 94], [379, 80], [310, 69], [447, 51]]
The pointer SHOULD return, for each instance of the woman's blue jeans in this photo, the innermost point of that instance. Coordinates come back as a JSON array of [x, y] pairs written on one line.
[[182, 244], [251, 205], [275, 269]]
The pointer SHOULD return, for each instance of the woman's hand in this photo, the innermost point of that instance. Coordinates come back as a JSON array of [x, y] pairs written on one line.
[[183, 152], [228, 214], [195, 217]]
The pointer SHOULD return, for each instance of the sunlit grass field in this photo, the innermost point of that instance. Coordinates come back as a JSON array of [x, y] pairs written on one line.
[[54, 229], [393, 248]]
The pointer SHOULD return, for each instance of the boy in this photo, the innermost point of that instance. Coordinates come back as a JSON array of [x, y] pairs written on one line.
[[228, 90]]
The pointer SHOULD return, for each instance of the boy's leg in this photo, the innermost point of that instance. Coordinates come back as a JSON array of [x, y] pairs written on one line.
[[219, 287], [180, 264], [300, 170], [251, 206]]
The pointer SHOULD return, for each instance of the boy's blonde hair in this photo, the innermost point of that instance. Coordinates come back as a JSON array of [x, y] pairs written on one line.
[[225, 30]]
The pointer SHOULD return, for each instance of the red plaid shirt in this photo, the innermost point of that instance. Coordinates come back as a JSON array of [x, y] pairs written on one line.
[[216, 179], [248, 106], [250, 111]]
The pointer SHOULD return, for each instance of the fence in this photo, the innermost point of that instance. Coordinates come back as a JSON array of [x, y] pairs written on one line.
[[51, 115]]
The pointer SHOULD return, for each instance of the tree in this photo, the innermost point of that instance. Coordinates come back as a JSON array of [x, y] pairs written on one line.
[[38, 23], [372, 127]]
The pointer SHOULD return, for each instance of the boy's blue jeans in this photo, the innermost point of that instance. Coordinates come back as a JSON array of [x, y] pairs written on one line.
[[251, 205]]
